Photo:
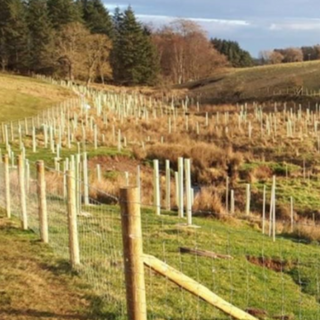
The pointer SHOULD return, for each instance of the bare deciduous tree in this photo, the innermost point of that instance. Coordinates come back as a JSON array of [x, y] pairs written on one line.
[[185, 52], [276, 57]]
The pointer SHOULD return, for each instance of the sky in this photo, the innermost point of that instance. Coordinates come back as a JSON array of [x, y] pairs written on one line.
[[256, 24]]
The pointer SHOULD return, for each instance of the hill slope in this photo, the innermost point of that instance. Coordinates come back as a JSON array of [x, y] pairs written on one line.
[[34, 284], [276, 82], [24, 97]]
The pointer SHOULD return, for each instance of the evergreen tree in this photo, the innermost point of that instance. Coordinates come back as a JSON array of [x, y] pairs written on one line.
[[117, 19], [62, 12], [134, 56], [231, 49], [14, 35], [41, 36], [4, 33], [96, 17]]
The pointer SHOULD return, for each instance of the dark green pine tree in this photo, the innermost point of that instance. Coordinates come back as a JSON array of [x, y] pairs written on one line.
[[117, 20], [14, 35], [96, 17], [62, 12], [134, 58], [41, 36], [4, 33], [237, 56]]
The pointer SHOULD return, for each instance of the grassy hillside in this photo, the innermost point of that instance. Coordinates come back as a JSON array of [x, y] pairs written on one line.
[[24, 97], [37, 285], [259, 83]]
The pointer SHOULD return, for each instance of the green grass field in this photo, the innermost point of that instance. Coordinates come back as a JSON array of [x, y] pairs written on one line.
[[38, 284], [278, 278], [22, 97]]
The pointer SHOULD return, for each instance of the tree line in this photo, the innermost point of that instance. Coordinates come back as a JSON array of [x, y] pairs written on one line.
[[306, 53], [81, 39]]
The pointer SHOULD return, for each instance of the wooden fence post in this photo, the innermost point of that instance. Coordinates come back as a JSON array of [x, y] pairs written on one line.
[[133, 253], [42, 201], [72, 220], [22, 185], [7, 185]]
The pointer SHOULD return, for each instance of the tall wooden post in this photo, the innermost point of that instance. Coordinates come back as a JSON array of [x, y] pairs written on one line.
[[133, 253], [72, 220], [42, 201], [22, 185], [7, 185]]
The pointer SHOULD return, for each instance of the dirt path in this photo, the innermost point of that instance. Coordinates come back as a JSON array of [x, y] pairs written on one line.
[[33, 284]]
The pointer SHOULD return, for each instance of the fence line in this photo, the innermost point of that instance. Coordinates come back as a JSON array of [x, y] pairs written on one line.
[[236, 261]]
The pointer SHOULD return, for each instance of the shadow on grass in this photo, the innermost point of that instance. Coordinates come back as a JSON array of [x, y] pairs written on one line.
[[296, 239], [98, 307], [40, 314]]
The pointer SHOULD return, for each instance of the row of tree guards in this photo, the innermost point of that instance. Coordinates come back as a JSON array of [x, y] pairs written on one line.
[[183, 189], [61, 126], [185, 196]]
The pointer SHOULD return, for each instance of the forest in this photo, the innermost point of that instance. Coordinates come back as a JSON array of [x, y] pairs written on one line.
[[82, 40]]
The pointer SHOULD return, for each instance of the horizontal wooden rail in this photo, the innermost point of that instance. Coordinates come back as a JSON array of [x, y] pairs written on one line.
[[195, 288]]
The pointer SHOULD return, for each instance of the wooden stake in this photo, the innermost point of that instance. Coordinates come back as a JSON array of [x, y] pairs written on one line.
[[133, 253], [42, 200]]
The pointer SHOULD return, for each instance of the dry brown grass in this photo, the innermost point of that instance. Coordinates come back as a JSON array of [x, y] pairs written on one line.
[[207, 200], [307, 231]]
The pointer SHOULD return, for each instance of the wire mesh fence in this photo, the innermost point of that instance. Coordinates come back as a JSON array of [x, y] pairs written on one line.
[[233, 260]]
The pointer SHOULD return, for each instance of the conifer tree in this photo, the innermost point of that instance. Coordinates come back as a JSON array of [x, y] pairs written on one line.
[[41, 36], [231, 49], [14, 35], [134, 57], [62, 12], [4, 32], [96, 17]]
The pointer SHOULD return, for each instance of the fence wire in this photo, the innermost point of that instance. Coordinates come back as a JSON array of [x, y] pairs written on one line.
[[271, 280]]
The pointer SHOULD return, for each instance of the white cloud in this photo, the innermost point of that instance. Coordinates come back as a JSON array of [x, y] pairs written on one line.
[[296, 25], [210, 25], [200, 20]]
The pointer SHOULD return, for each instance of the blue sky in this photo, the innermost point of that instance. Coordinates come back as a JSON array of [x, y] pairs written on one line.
[[255, 24]]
